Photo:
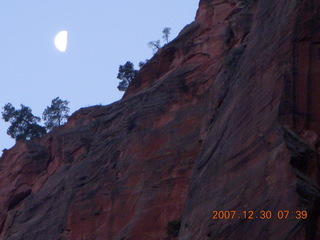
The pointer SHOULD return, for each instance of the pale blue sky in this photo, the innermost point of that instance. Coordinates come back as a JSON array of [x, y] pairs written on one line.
[[102, 34]]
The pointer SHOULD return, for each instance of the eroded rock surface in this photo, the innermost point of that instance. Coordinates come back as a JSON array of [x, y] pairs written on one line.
[[225, 117], [261, 150]]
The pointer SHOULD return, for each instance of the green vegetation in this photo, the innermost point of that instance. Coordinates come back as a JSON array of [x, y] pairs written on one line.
[[24, 125], [56, 114], [126, 74]]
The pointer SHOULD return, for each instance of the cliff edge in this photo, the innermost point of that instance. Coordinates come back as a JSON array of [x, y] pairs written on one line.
[[225, 118]]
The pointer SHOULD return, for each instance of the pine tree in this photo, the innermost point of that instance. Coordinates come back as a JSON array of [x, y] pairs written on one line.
[[56, 114], [24, 125], [126, 74]]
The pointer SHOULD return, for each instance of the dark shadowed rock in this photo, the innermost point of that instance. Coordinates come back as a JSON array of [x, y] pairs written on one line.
[[226, 117]]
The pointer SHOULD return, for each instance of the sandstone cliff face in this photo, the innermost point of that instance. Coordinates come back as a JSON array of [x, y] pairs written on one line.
[[225, 117]]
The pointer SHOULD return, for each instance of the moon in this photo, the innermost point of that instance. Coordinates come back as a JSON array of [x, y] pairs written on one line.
[[61, 41]]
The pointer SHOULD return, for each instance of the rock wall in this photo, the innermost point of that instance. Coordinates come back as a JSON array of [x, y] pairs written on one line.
[[225, 117], [261, 150]]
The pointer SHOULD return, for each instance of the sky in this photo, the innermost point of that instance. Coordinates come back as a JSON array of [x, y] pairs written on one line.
[[102, 35]]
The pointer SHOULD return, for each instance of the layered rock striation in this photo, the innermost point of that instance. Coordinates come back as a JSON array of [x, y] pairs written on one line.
[[226, 117]]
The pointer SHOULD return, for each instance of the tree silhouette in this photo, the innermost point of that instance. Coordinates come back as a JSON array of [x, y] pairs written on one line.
[[24, 125], [166, 33], [126, 74], [56, 114], [154, 45]]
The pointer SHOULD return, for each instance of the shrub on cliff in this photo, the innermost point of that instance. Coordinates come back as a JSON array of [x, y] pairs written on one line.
[[156, 45], [126, 74], [56, 114], [24, 125]]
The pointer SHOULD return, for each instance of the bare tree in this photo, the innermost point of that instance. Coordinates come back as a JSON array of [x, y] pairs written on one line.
[[155, 45], [166, 33]]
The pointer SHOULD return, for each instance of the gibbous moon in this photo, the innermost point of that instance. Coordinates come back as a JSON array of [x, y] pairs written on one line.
[[61, 41]]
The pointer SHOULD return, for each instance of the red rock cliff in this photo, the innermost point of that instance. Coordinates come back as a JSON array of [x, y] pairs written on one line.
[[226, 117]]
